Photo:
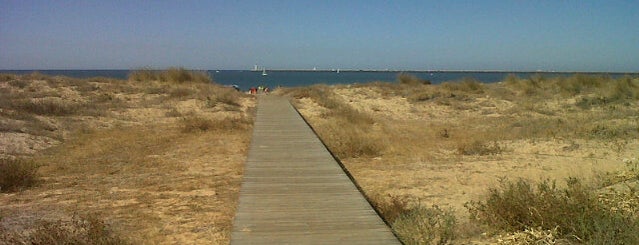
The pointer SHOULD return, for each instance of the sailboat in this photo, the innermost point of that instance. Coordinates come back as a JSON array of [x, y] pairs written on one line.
[[264, 72]]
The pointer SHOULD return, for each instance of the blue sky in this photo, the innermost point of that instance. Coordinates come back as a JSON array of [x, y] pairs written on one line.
[[453, 35]]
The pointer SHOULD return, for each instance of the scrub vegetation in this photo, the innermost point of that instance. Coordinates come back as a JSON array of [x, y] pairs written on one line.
[[16, 174], [171, 75], [158, 158], [522, 161], [155, 159]]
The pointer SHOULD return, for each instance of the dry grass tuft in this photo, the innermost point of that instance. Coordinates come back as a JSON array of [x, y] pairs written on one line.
[[141, 75], [107, 147], [426, 225], [531, 236], [37, 76], [19, 83], [89, 230], [181, 75], [417, 224], [574, 212], [17, 173], [411, 80], [195, 123], [391, 208], [5, 77], [349, 132], [478, 147], [48, 107], [603, 89], [181, 92], [348, 140], [227, 96], [443, 144], [445, 93], [468, 85], [335, 106], [171, 75]]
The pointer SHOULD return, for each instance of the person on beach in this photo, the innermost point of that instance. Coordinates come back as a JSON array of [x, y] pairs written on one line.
[[266, 90]]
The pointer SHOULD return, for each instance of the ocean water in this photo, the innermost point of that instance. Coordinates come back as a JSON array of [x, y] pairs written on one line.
[[247, 79]]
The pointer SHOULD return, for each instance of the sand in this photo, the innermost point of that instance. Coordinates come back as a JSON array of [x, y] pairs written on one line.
[[421, 161], [123, 156]]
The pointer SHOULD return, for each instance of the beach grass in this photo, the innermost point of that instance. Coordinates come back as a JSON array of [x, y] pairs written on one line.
[[573, 213], [17, 173], [428, 157], [171, 75], [107, 161], [426, 225], [88, 230], [390, 134], [411, 80]]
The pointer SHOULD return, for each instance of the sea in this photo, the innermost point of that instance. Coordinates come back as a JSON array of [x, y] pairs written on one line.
[[245, 79]]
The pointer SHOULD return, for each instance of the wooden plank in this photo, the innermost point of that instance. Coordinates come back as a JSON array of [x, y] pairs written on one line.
[[294, 192]]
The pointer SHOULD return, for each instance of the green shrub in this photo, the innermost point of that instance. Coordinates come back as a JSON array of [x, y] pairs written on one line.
[[16, 174], [574, 211]]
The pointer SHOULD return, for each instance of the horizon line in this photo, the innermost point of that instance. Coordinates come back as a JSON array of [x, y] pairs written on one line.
[[345, 70]]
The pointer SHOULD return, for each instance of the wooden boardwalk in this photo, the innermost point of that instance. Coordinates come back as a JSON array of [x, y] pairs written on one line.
[[294, 192]]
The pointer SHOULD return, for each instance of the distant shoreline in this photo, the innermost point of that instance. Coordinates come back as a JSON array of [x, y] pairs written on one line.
[[246, 79], [22, 71], [440, 71]]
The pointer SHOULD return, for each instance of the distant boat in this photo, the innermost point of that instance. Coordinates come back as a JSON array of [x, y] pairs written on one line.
[[264, 72], [337, 70]]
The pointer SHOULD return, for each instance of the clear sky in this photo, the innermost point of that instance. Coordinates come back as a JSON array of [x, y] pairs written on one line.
[[459, 35]]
